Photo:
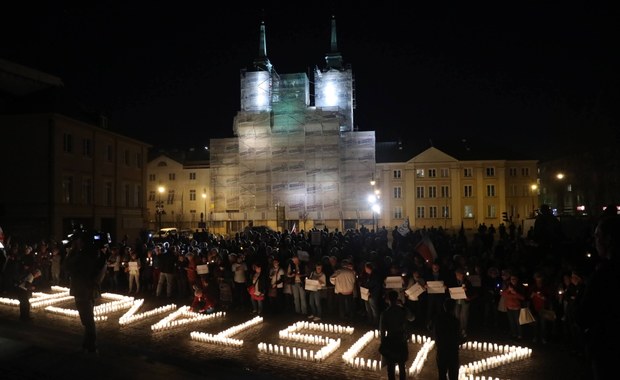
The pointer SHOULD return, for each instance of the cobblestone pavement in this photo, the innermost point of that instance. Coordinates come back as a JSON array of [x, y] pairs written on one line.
[[47, 348]]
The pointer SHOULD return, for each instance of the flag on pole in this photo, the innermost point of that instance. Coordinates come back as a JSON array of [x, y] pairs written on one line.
[[403, 229], [426, 249], [294, 229]]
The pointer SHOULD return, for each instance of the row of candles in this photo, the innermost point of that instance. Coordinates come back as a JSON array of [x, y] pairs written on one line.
[[350, 356], [323, 327], [515, 354], [189, 316], [224, 337], [72, 313], [130, 316], [487, 347], [301, 353]]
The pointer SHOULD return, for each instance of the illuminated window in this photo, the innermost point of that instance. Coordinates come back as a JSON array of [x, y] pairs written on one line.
[[468, 211], [419, 173]]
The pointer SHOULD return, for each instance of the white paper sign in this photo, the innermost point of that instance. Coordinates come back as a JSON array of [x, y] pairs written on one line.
[[475, 280], [393, 282], [435, 287], [457, 293], [364, 293], [312, 285], [414, 292], [202, 269]]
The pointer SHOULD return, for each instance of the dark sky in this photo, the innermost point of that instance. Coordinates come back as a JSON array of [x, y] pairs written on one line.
[[529, 73]]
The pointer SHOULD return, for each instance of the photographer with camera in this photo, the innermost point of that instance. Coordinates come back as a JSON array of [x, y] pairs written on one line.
[[86, 264]]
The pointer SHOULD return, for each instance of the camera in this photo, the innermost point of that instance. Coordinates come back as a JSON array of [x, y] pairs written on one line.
[[95, 238]]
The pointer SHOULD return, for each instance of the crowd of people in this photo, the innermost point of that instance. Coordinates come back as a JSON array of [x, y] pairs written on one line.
[[342, 276]]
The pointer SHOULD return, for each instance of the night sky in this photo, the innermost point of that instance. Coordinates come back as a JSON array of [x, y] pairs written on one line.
[[534, 75]]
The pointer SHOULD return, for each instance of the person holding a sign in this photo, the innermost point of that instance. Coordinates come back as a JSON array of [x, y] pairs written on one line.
[[436, 289], [133, 270], [461, 305], [314, 285]]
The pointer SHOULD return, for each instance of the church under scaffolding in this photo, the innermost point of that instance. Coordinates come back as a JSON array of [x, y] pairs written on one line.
[[292, 162]]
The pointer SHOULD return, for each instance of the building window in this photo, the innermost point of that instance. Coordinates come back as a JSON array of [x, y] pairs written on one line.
[[139, 160], [491, 211], [513, 189], [432, 191], [137, 196], [445, 191], [397, 192], [67, 189], [419, 173], [109, 154], [419, 212], [170, 199], [525, 172], [152, 196], [468, 191], [172, 176], [468, 211], [87, 191], [87, 150], [127, 162], [192, 195], [490, 172], [445, 172], [467, 172], [432, 173], [490, 190], [432, 212], [398, 212], [127, 195], [192, 176], [512, 172], [67, 143], [152, 177], [445, 211], [107, 194], [419, 192], [397, 174]]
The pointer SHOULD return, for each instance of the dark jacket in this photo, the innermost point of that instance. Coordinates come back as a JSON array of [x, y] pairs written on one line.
[[394, 334], [86, 268]]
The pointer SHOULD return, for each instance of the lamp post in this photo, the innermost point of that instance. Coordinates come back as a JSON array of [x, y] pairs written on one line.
[[159, 206], [534, 189], [204, 196], [375, 209], [560, 177]]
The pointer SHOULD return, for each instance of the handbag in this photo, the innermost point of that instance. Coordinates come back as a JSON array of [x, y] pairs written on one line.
[[547, 314], [525, 316], [501, 305]]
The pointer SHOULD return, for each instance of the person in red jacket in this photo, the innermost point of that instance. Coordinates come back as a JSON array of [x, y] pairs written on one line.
[[514, 295], [541, 296]]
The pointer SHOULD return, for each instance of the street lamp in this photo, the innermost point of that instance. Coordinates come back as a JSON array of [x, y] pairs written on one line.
[[159, 206], [534, 188], [375, 208], [204, 196]]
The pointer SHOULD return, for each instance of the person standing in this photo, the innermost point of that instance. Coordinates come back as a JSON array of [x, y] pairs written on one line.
[[447, 339], [394, 349], [598, 314], [24, 292], [86, 265], [344, 280], [166, 266], [297, 274], [315, 295]]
